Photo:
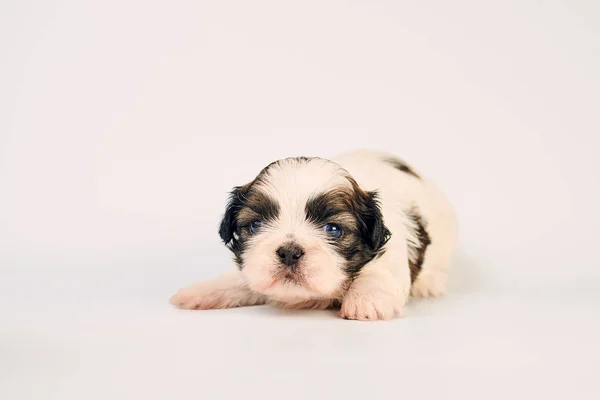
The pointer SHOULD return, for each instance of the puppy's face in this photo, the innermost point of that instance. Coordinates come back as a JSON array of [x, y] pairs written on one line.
[[302, 229]]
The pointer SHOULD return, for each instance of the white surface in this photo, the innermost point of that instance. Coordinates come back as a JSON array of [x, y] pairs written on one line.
[[493, 346], [124, 124]]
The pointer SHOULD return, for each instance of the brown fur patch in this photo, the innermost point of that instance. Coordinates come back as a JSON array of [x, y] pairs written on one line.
[[259, 206], [357, 212]]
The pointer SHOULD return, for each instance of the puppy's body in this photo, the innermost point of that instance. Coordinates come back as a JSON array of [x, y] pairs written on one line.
[[364, 230]]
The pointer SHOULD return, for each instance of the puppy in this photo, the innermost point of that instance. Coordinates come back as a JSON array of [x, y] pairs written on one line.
[[361, 232]]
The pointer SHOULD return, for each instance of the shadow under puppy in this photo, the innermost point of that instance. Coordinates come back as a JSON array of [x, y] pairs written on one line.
[[362, 232]]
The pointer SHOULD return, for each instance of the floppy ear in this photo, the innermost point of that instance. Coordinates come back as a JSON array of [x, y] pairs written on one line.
[[228, 226], [373, 230]]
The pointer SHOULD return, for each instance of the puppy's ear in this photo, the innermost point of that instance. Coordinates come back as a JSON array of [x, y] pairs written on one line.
[[373, 230], [228, 226]]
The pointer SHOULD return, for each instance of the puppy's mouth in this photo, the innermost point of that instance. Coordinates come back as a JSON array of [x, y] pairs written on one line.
[[288, 276]]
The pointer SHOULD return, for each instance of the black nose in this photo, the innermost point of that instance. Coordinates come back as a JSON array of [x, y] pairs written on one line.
[[289, 254]]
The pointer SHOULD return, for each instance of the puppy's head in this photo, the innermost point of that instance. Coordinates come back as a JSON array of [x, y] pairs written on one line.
[[302, 229]]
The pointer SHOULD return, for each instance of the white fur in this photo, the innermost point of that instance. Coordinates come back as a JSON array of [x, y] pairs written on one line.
[[383, 286]]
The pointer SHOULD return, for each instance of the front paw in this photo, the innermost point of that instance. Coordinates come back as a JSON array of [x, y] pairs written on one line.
[[371, 306], [198, 297]]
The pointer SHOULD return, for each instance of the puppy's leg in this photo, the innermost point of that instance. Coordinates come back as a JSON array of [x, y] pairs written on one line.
[[380, 291], [227, 291], [432, 279]]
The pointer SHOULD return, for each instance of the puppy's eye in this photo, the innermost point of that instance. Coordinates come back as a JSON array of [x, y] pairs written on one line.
[[333, 230], [255, 226]]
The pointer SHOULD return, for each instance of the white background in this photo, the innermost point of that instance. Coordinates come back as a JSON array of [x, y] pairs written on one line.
[[123, 124]]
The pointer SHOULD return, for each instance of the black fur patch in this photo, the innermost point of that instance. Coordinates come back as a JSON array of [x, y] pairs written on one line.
[[401, 166], [245, 205], [228, 230], [424, 241]]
